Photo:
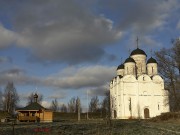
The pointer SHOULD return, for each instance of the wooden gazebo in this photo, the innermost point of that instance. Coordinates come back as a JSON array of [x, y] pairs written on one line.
[[34, 112]]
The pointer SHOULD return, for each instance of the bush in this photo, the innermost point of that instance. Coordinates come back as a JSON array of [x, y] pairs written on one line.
[[167, 116]]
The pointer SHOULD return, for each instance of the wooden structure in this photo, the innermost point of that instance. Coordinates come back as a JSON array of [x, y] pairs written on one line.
[[34, 112]]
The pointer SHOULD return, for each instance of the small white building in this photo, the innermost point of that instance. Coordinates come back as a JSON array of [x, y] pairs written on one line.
[[138, 91]]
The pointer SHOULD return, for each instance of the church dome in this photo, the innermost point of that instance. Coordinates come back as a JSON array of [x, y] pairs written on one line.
[[151, 60], [120, 67], [138, 51], [129, 60], [35, 96]]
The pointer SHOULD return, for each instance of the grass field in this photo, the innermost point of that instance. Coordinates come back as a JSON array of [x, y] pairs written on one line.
[[67, 124], [94, 127]]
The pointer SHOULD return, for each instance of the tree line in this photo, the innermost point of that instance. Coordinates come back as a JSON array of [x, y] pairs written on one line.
[[9, 100]]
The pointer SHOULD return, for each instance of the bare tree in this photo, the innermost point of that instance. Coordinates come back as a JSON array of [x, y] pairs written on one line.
[[30, 98], [11, 98], [72, 105], [94, 104], [54, 105], [63, 108], [78, 104], [176, 50], [169, 68], [105, 105]]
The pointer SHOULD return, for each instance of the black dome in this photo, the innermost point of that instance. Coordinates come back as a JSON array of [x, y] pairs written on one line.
[[151, 60], [35, 96], [138, 51], [129, 60], [120, 66]]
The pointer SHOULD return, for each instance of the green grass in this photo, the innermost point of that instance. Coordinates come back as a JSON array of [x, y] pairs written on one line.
[[67, 124], [94, 127]]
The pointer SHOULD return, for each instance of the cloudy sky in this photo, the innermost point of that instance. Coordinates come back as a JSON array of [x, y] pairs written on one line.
[[64, 48]]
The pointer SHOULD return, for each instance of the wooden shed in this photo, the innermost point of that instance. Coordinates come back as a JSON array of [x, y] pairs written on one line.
[[34, 112]]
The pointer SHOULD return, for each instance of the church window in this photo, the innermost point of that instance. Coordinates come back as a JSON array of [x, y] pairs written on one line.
[[158, 106], [152, 70], [129, 104]]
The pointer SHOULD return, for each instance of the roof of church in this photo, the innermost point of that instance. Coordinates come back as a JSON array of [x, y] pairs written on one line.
[[120, 66], [32, 106], [138, 51], [129, 60], [151, 60]]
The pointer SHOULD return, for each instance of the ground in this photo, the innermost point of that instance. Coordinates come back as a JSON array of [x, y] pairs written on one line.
[[94, 127]]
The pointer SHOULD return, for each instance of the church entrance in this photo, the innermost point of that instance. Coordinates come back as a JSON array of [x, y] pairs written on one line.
[[146, 113]]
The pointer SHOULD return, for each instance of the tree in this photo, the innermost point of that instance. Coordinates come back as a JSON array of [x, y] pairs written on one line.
[[30, 98], [72, 105], [94, 104], [63, 108], [78, 107], [105, 105], [78, 104], [169, 68], [176, 50], [54, 105], [11, 98]]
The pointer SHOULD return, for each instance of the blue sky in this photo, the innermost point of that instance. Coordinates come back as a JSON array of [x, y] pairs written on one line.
[[64, 48]]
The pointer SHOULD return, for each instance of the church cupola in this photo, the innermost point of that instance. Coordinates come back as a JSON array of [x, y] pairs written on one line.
[[138, 52], [140, 58], [120, 70], [152, 67], [35, 98], [129, 66]]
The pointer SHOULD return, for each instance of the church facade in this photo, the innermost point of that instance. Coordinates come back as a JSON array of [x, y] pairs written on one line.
[[138, 91]]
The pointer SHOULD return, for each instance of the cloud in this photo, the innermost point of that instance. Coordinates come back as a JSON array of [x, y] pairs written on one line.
[[68, 32], [46, 104], [4, 59], [72, 78], [141, 16], [18, 76], [58, 95], [178, 25], [62, 30], [100, 91], [7, 37]]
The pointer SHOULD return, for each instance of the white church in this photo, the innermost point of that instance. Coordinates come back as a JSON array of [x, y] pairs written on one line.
[[138, 91]]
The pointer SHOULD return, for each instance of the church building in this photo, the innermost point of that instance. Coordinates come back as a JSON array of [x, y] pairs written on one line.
[[138, 90]]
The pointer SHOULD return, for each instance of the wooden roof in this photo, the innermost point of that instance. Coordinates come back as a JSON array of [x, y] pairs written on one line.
[[33, 106]]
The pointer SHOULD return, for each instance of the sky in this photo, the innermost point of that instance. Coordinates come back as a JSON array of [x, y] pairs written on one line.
[[68, 48]]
